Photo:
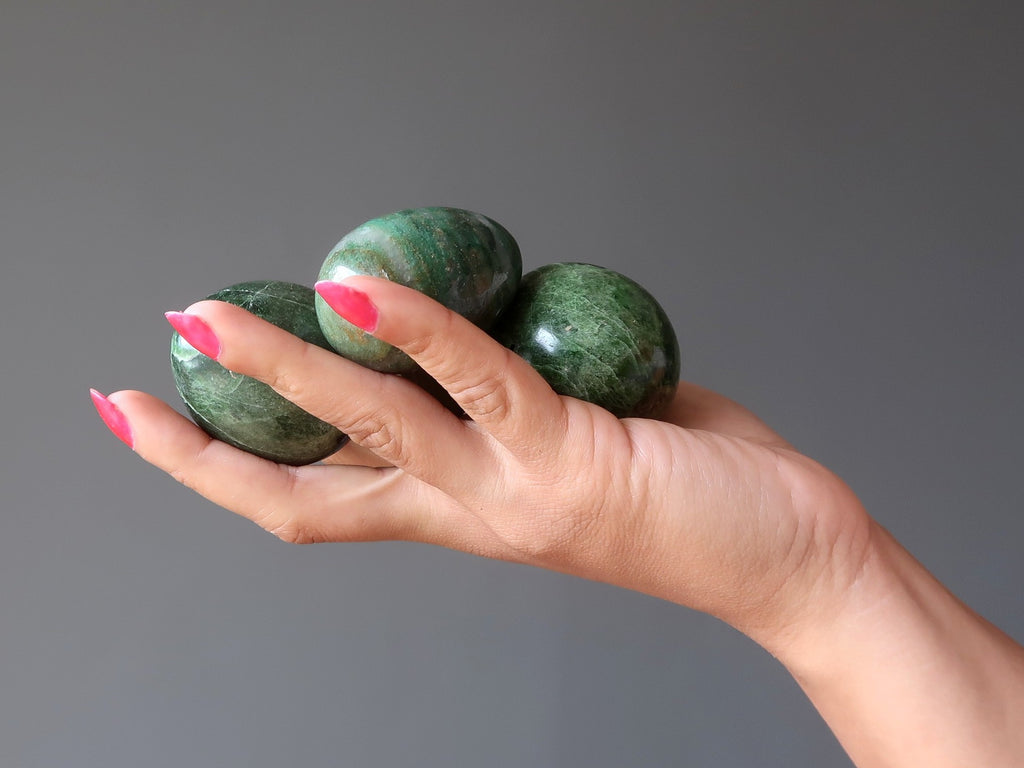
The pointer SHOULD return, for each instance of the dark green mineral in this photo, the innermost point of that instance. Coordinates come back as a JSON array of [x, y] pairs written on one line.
[[464, 260], [595, 335], [247, 413]]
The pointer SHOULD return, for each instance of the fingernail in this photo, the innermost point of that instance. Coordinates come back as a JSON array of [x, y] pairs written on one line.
[[196, 332], [355, 306], [113, 418]]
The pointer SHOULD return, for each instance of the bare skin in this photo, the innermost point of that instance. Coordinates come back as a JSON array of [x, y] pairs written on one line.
[[707, 508]]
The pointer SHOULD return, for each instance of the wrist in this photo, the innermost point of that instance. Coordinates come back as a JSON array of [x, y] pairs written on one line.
[[906, 674]]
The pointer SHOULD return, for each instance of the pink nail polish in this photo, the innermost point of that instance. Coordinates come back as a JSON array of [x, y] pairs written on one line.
[[196, 332], [353, 305], [113, 418]]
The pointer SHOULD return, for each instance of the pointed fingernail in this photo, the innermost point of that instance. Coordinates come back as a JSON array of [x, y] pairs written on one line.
[[196, 332], [113, 418], [353, 305]]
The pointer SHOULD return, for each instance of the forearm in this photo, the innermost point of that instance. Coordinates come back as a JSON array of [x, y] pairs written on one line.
[[906, 675]]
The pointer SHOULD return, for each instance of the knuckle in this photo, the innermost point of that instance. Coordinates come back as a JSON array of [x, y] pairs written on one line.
[[430, 345], [186, 471], [380, 434], [290, 524], [486, 395], [417, 346], [282, 378], [484, 399]]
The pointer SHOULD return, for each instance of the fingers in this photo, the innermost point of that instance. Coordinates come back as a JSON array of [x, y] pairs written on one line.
[[392, 418], [298, 504], [498, 390], [695, 407]]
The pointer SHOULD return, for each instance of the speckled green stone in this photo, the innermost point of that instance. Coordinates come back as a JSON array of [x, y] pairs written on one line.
[[464, 260], [596, 335], [247, 413]]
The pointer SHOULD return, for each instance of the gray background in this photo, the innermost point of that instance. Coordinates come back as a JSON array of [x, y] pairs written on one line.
[[826, 196]]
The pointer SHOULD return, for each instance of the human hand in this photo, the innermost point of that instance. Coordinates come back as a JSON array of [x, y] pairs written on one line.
[[708, 507]]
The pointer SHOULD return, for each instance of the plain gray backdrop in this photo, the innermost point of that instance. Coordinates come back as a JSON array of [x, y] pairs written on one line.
[[827, 197]]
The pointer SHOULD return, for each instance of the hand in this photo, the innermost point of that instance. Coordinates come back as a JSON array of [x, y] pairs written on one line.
[[708, 508], [713, 511]]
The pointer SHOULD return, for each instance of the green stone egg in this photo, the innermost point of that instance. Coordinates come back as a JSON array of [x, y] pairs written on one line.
[[464, 260], [596, 335], [247, 413]]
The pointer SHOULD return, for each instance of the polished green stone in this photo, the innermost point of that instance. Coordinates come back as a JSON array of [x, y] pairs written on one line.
[[464, 260], [596, 335], [247, 413]]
